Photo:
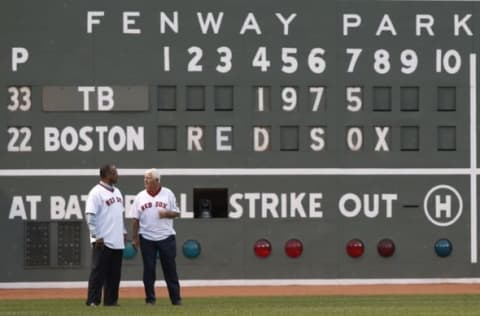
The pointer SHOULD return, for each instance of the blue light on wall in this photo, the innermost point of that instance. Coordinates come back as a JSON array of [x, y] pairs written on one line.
[[443, 248], [191, 248]]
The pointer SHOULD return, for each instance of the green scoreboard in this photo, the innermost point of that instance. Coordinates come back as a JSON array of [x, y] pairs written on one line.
[[322, 140]]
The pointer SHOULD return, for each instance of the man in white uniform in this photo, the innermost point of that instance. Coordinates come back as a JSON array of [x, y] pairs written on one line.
[[154, 210], [104, 215]]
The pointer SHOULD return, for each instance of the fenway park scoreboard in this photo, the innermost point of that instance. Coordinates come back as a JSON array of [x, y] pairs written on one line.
[[327, 140]]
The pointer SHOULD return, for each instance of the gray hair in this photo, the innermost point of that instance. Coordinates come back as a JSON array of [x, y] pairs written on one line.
[[154, 172]]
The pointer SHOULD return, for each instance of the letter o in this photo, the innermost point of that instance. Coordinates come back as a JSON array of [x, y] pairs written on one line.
[[117, 133], [69, 138], [354, 138], [343, 207]]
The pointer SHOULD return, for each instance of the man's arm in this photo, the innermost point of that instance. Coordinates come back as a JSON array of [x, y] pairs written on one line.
[[173, 210], [135, 237], [163, 213], [91, 222], [92, 227]]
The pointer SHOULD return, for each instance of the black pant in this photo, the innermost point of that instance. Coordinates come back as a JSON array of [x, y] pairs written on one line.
[[167, 249], [106, 271]]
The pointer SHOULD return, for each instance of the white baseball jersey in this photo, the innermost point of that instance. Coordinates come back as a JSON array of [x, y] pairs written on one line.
[[106, 203], [146, 208]]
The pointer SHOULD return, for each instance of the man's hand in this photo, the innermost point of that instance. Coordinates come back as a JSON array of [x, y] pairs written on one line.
[[135, 242], [162, 213], [99, 243]]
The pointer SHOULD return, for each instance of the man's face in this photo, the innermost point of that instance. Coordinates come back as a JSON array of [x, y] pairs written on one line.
[[112, 175], [150, 182]]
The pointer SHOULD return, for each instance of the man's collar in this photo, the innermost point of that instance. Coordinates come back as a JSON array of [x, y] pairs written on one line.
[[154, 193], [107, 186]]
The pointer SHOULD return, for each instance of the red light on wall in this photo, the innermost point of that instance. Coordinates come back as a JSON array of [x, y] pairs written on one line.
[[355, 248], [293, 248], [262, 248], [386, 247]]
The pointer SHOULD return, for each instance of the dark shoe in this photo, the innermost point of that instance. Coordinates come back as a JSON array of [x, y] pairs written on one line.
[[113, 305], [178, 303]]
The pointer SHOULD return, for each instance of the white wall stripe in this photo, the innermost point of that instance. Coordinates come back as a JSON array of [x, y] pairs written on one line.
[[473, 158], [245, 282], [244, 172]]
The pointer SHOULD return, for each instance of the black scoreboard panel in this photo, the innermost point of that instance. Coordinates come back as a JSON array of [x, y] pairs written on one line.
[[324, 217], [344, 85], [323, 121]]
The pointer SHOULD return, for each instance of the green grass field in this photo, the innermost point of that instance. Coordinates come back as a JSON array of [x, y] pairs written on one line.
[[405, 305]]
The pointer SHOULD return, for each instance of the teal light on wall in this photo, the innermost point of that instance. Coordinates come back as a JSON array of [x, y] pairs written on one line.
[[129, 252], [191, 248], [443, 247]]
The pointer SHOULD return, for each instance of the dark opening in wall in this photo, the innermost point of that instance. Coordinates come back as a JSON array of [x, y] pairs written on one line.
[[210, 202], [37, 244]]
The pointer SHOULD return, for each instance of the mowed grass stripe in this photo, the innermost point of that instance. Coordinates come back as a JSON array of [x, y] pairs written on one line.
[[417, 305]]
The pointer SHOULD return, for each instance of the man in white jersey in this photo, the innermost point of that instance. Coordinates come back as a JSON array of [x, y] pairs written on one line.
[[154, 210], [104, 214]]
